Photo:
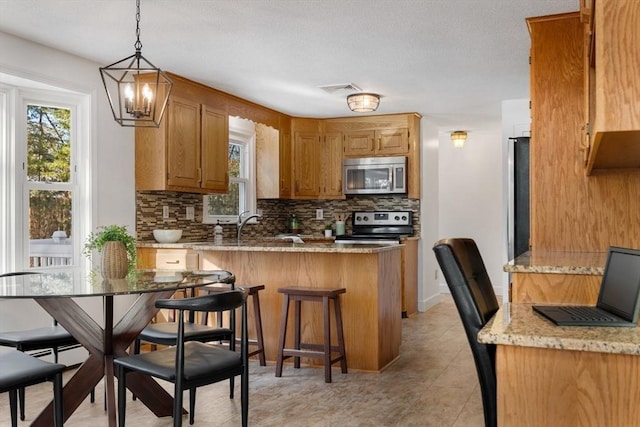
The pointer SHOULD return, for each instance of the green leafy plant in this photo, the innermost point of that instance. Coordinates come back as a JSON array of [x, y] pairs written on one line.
[[111, 233], [328, 227]]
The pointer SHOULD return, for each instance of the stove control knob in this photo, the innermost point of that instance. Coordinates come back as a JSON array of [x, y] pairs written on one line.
[[404, 217], [365, 218], [397, 218]]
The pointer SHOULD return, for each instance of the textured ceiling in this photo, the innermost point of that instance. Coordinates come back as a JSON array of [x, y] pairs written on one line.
[[453, 61]]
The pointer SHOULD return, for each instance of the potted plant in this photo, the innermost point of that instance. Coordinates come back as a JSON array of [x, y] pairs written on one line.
[[118, 249], [327, 230]]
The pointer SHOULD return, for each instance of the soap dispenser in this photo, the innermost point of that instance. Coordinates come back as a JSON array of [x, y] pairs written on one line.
[[217, 232], [294, 224]]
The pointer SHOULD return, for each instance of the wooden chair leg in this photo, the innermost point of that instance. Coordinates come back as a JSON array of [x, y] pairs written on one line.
[[340, 334], [326, 316], [296, 335], [259, 336], [283, 335]]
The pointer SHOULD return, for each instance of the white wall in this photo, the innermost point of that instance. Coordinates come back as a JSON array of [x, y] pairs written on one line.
[[465, 193], [470, 196], [429, 289], [112, 150]]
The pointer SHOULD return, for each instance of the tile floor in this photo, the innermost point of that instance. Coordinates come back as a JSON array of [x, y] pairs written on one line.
[[433, 383]]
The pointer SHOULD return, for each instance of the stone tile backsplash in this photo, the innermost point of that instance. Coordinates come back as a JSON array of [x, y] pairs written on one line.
[[275, 214]]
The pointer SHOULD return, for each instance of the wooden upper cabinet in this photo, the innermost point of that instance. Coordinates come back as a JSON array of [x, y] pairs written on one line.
[[614, 86], [183, 143], [331, 170], [214, 149], [273, 162], [285, 169], [393, 141], [382, 142], [359, 143], [188, 152], [306, 152]]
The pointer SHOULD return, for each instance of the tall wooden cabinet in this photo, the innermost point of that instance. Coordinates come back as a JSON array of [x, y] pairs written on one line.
[[188, 152], [571, 211]]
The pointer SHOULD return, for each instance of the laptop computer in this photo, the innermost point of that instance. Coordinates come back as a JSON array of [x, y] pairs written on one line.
[[618, 300]]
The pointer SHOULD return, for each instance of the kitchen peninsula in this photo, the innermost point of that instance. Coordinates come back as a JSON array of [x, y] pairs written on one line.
[[559, 376], [371, 274]]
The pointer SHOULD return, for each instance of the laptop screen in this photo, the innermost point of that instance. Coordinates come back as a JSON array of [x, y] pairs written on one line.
[[621, 283]]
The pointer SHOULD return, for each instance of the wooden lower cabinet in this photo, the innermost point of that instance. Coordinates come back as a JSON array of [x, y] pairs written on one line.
[[409, 277], [168, 259], [555, 288], [552, 387]]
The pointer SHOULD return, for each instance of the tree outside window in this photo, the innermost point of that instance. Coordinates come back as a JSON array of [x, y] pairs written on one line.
[[48, 171]]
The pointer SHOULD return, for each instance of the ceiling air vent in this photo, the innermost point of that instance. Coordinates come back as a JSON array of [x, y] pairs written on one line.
[[341, 88]]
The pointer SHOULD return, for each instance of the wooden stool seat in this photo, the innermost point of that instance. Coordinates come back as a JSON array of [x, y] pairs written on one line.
[[252, 291], [324, 350]]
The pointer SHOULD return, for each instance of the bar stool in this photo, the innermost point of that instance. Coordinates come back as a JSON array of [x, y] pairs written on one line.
[[324, 350], [252, 291]]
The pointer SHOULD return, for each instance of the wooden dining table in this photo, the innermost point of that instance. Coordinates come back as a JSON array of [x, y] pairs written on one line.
[[55, 291]]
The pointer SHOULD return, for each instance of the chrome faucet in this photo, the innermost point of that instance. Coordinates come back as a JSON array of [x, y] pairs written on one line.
[[241, 222]]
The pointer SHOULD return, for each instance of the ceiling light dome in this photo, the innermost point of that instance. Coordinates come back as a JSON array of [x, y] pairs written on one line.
[[363, 102]]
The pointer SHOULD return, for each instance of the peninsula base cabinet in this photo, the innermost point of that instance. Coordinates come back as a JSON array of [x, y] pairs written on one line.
[[548, 387], [370, 307]]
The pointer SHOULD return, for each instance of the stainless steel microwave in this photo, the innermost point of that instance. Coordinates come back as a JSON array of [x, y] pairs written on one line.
[[374, 175]]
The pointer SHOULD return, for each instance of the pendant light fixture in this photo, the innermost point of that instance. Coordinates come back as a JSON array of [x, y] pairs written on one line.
[[363, 102], [137, 90], [458, 138]]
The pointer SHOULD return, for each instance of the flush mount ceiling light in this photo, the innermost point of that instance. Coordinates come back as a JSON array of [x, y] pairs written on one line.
[[363, 102], [137, 90], [458, 138]]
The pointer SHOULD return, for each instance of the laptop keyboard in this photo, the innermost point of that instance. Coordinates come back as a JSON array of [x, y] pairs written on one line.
[[588, 314]]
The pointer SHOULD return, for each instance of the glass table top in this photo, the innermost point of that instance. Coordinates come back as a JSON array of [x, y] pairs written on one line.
[[73, 283]]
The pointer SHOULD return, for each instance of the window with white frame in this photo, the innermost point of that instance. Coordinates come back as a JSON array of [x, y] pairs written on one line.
[[41, 148], [242, 182]]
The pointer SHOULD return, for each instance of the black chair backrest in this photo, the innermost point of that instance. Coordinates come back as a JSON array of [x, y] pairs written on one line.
[[219, 301], [476, 301]]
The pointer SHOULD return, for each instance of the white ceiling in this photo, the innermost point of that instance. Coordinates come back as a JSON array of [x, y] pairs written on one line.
[[453, 61]]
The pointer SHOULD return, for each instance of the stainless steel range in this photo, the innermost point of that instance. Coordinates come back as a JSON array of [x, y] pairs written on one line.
[[378, 227]]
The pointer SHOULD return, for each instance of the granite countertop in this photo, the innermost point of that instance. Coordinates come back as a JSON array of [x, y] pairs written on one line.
[[517, 324], [271, 245], [589, 263]]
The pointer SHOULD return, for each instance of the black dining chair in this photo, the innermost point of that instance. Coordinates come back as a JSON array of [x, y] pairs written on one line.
[[45, 340], [19, 370], [476, 301], [166, 333], [192, 364]]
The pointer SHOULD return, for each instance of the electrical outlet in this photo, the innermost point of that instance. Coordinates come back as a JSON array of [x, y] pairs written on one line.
[[165, 212], [191, 214], [319, 214]]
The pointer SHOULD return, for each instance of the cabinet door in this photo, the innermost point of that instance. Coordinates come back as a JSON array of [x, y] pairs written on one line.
[[183, 143], [331, 170], [392, 141], [306, 161], [285, 165], [215, 149], [359, 144]]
